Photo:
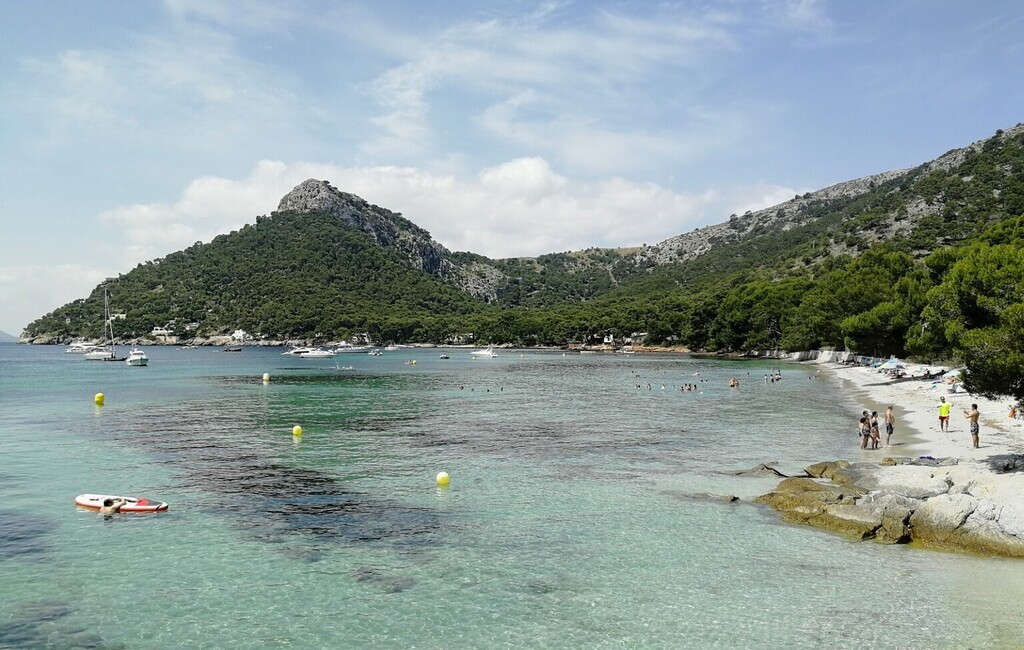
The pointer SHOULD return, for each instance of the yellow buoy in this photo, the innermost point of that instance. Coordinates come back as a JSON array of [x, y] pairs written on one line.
[[443, 479], [296, 430], [98, 399], [266, 378]]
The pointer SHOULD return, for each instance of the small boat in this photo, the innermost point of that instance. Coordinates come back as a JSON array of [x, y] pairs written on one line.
[[375, 353], [233, 348], [445, 356], [137, 358], [135, 504], [484, 354]]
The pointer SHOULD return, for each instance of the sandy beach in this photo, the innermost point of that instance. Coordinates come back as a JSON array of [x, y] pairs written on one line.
[[915, 404], [931, 486]]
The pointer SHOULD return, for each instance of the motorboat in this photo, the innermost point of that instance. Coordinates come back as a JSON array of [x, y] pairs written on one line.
[[316, 353], [137, 357], [297, 351], [487, 353], [375, 353], [345, 347], [444, 355], [81, 347], [101, 353]]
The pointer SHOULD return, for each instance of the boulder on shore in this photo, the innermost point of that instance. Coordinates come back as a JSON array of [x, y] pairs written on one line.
[[928, 505]]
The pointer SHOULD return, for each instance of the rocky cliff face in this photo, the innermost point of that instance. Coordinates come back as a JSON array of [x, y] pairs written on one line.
[[391, 230], [483, 280], [782, 217], [797, 211]]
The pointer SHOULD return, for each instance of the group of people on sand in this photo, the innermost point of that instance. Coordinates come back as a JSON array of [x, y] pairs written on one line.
[[868, 427], [869, 431]]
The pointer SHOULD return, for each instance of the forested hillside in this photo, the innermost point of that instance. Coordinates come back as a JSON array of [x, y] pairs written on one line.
[[926, 262], [291, 275]]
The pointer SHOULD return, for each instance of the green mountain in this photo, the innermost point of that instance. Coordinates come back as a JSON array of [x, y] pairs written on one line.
[[925, 261], [290, 276]]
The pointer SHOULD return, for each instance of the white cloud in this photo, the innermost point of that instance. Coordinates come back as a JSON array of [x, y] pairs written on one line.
[[761, 195], [519, 208], [188, 88], [590, 94], [28, 292]]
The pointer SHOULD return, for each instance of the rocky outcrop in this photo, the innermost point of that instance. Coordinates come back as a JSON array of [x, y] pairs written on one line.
[[802, 210], [391, 230], [935, 504]]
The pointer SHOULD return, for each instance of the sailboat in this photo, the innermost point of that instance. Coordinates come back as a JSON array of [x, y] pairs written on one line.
[[106, 352]]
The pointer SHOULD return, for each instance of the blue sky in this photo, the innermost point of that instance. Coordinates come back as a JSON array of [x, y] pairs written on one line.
[[134, 129]]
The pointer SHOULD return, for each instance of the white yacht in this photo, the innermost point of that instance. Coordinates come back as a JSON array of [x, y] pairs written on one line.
[[137, 358], [80, 347], [346, 347], [316, 353], [487, 353], [297, 351]]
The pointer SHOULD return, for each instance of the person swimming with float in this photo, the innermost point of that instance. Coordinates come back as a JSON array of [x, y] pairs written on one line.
[[112, 506]]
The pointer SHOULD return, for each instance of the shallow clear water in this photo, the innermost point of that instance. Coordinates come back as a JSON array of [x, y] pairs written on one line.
[[577, 516]]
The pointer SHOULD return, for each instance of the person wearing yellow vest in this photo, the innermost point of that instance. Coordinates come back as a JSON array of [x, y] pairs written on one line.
[[944, 409]]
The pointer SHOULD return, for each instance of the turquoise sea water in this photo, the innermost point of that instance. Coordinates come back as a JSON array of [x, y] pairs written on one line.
[[577, 515]]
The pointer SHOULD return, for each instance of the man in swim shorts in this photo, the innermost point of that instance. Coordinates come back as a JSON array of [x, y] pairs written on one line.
[[944, 408], [112, 506], [890, 422], [972, 417]]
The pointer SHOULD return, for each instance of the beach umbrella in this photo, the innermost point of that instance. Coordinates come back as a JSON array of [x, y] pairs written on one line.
[[953, 373], [892, 363]]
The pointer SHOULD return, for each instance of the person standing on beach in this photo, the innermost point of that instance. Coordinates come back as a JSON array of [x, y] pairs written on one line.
[[972, 417], [876, 435], [944, 409], [890, 422], [864, 431]]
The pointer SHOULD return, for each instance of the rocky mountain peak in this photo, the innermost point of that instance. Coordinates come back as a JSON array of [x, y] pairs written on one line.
[[320, 196], [391, 230]]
